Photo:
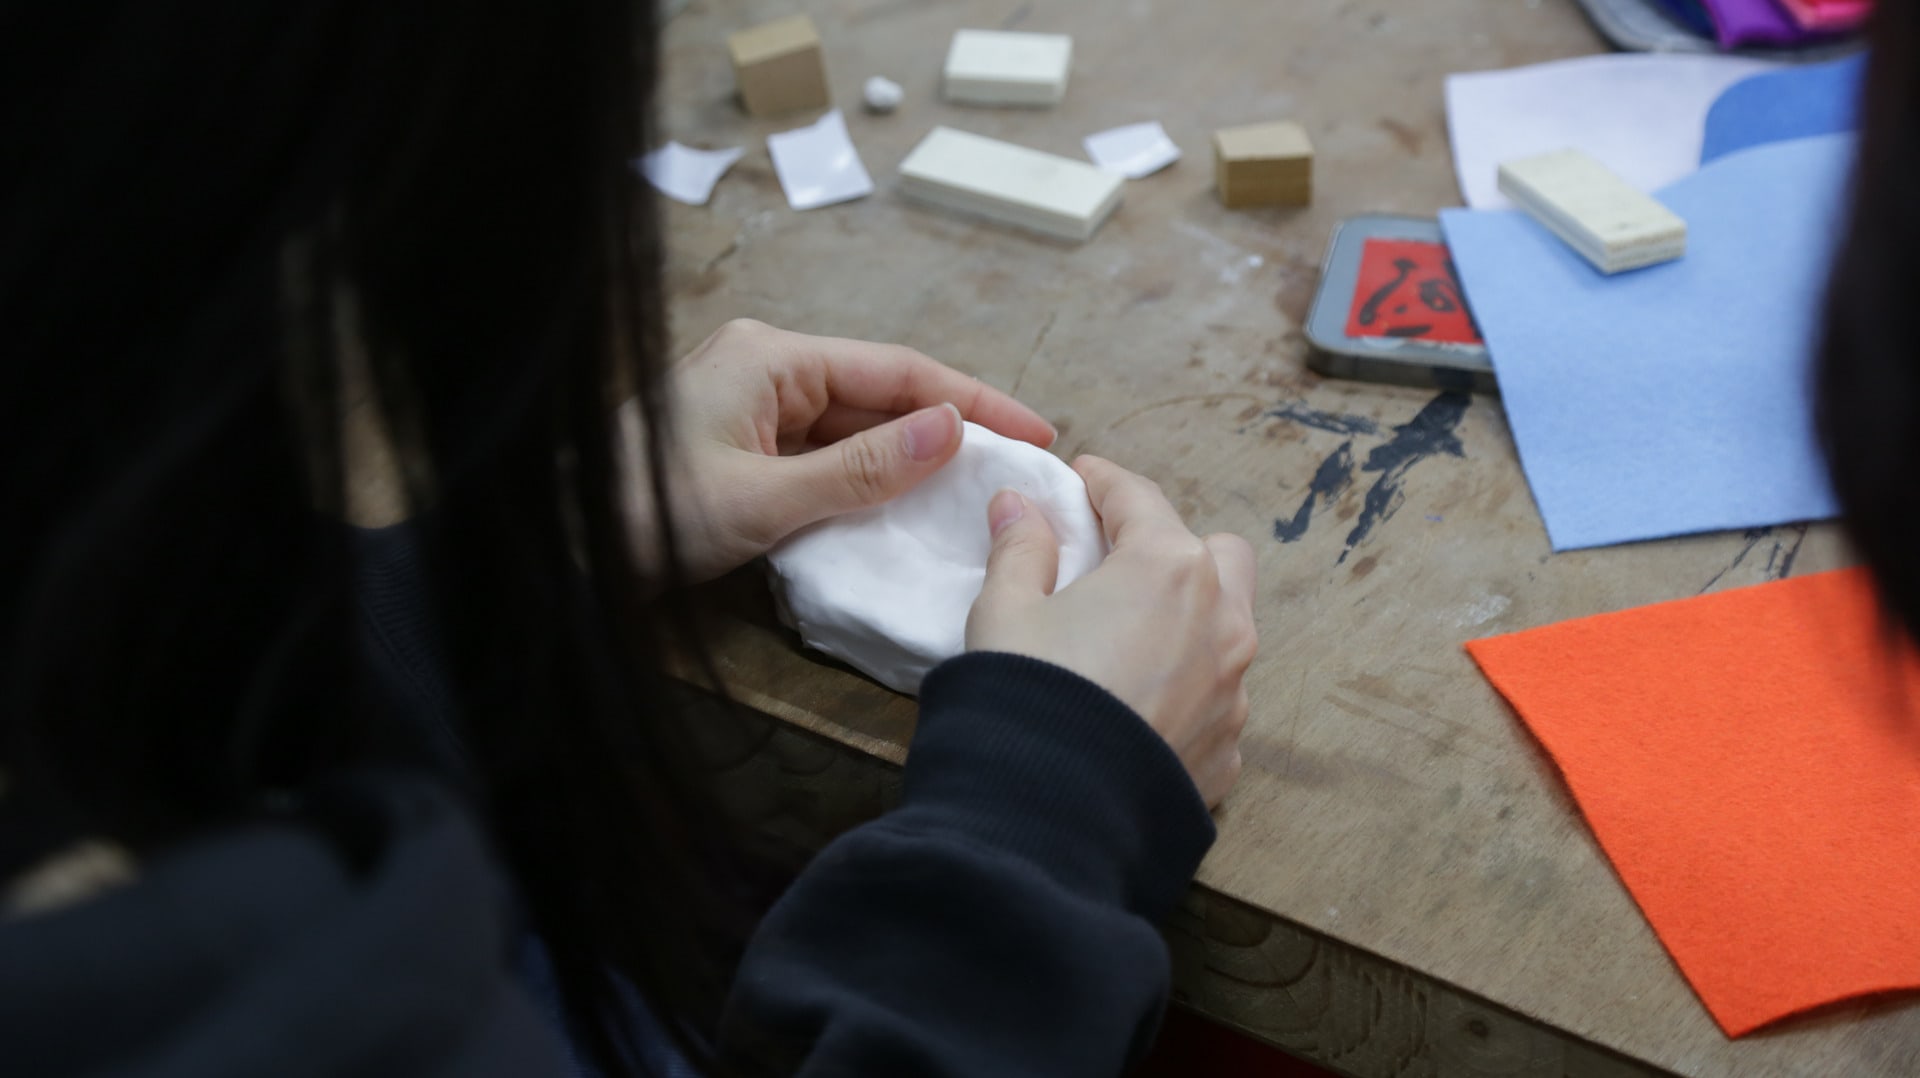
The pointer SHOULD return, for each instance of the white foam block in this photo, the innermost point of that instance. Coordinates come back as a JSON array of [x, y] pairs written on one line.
[[994, 67], [887, 590], [1612, 225], [1012, 184]]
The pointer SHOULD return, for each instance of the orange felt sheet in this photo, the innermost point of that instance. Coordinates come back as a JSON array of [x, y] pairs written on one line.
[[1750, 762]]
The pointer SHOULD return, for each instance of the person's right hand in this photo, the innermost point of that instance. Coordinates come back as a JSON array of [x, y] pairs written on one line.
[[1165, 623]]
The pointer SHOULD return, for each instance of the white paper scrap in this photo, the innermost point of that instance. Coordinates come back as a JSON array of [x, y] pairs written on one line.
[[685, 174], [818, 165], [1133, 150], [1643, 115]]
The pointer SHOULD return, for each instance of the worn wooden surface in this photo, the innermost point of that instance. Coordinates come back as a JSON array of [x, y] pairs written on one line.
[[1399, 852]]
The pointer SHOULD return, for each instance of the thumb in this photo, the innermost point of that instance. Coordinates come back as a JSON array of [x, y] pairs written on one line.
[[1025, 560], [877, 464]]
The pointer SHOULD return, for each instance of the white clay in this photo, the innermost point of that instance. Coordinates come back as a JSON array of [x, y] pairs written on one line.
[[887, 590], [882, 94]]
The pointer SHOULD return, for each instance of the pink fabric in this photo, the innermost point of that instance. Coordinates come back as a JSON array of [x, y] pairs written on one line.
[[1828, 16]]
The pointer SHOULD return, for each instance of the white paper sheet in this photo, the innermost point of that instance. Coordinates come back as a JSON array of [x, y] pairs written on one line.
[[1133, 150], [1643, 115], [818, 165], [685, 174]]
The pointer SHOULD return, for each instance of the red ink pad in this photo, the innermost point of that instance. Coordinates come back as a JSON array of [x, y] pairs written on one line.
[[1390, 309], [1408, 289]]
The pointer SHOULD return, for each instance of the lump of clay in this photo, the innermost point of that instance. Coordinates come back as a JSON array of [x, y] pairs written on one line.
[[887, 590], [882, 94]]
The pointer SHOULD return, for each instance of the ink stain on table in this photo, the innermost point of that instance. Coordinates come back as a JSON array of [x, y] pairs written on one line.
[[1779, 561], [1433, 431], [1330, 480], [1753, 538], [1331, 422]]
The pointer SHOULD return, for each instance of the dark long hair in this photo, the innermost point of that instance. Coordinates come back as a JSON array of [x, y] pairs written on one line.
[[1869, 365], [210, 211]]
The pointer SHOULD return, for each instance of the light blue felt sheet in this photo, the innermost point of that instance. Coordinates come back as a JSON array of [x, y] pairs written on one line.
[[1676, 398], [1796, 102]]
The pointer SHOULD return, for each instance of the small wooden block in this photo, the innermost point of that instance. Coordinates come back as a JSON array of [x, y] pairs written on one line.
[[1612, 224], [993, 67], [780, 67], [1011, 184], [1267, 164]]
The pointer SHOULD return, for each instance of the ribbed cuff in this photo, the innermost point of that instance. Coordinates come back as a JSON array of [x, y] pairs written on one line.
[[1038, 761]]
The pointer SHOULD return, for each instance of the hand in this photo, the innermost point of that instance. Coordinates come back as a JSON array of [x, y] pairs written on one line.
[[1165, 623], [777, 430]]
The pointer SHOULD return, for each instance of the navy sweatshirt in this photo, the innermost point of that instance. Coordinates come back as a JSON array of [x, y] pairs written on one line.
[[1001, 921]]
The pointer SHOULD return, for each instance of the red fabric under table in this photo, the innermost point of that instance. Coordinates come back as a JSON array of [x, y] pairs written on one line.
[[1750, 762]]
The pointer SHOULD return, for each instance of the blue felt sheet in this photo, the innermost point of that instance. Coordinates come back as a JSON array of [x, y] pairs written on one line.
[[1676, 398], [1797, 102]]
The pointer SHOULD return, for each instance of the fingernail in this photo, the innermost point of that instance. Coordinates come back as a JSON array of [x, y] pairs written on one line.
[[1006, 507], [929, 432]]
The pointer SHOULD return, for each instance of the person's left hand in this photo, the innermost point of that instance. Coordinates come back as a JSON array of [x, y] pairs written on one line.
[[776, 430]]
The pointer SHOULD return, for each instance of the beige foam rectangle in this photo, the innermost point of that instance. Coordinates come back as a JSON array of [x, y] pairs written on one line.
[[1613, 225], [1012, 184], [993, 67]]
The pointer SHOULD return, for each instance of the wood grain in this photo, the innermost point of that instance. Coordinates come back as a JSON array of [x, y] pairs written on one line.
[[1400, 860]]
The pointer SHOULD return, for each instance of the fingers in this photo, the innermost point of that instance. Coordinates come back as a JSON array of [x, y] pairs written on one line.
[[867, 468], [1218, 779], [1234, 558], [893, 380], [844, 421], [1218, 765], [1025, 560], [1130, 507], [815, 375]]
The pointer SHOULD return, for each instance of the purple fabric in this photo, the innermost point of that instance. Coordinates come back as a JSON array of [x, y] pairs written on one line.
[[1755, 22]]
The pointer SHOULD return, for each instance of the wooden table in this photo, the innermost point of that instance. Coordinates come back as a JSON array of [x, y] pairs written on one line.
[[1401, 884]]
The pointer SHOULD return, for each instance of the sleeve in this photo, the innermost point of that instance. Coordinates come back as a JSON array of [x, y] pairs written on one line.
[[1002, 920]]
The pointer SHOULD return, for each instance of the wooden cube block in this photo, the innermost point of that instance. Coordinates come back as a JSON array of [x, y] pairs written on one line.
[[1267, 164], [780, 67]]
